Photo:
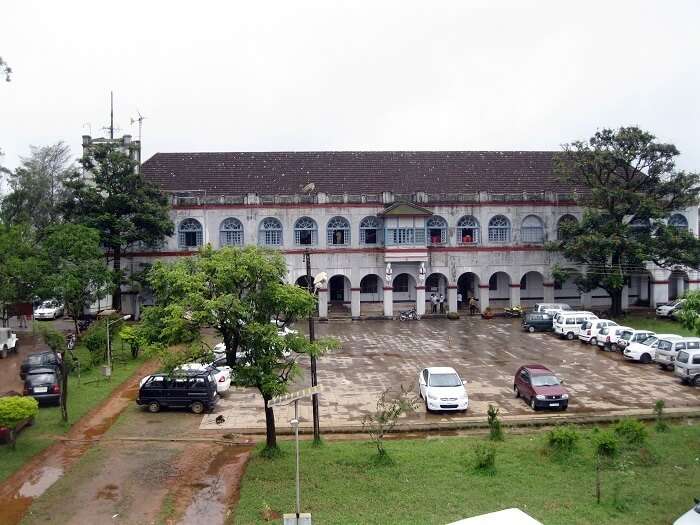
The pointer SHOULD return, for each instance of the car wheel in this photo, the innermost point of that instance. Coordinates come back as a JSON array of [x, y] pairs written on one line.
[[197, 407], [696, 381], [3, 353], [153, 407], [646, 359], [516, 392], [533, 405], [563, 409], [594, 341], [427, 410], [531, 329], [570, 336]]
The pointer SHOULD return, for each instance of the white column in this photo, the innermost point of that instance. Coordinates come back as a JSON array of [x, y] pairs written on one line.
[[483, 296], [625, 298], [548, 292], [514, 294], [388, 301], [659, 293], [420, 300], [452, 298], [323, 303], [355, 303]]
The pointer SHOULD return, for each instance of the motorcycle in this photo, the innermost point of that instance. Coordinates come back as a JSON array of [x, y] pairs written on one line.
[[514, 311], [409, 315]]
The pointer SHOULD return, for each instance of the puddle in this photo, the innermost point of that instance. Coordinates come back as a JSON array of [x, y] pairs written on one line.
[[39, 481]]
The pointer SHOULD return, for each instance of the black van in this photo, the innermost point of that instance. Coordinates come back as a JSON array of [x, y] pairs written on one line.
[[537, 322], [191, 389]]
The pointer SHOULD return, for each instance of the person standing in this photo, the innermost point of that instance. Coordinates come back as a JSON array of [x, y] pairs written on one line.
[[433, 303], [472, 305], [442, 304]]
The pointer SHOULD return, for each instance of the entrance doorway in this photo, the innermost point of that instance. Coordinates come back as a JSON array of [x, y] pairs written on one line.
[[337, 289]]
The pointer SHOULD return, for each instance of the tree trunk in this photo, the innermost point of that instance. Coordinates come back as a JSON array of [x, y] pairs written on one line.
[[64, 389], [117, 267], [616, 302], [270, 431], [597, 480]]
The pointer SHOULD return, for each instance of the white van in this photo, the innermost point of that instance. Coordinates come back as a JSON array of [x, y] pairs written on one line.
[[666, 350], [687, 366], [551, 308], [568, 324], [591, 329]]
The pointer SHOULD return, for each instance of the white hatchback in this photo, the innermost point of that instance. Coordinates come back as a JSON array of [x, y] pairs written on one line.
[[442, 389], [610, 335], [644, 351], [590, 329]]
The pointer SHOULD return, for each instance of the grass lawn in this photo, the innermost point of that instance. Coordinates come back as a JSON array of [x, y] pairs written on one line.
[[432, 481], [81, 398], [660, 326]]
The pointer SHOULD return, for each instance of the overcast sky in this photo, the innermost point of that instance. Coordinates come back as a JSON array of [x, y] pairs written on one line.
[[257, 76]]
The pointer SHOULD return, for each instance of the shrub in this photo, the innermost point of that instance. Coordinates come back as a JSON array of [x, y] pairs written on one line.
[[485, 458], [15, 409], [631, 432], [661, 425], [383, 420], [606, 444], [495, 431], [563, 439]]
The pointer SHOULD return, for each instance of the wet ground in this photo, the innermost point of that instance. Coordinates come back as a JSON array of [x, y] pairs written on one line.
[[377, 355]]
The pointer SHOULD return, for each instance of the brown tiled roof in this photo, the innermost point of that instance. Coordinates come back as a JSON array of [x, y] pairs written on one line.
[[356, 172]]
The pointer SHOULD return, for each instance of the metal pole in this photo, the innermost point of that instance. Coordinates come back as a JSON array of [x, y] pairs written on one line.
[[312, 338], [296, 436], [109, 356]]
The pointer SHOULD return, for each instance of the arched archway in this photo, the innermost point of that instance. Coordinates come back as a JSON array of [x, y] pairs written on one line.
[[371, 294], [677, 284], [435, 284], [531, 288], [468, 286], [302, 282], [339, 290], [404, 290], [499, 289]]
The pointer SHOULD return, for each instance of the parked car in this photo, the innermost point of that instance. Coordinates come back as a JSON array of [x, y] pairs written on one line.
[[667, 349], [192, 389], [632, 336], [590, 329], [666, 310], [51, 309], [608, 336], [222, 374], [46, 359], [537, 322], [540, 388], [551, 308], [644, 351], [692, 517], [442, 389], [687, 366], [568, 324], [8, 342], [43, 384]]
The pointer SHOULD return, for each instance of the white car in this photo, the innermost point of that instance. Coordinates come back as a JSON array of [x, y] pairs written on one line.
[[632, 336], [590, 329], [8, 342], [644, 351], [665, 310], [610, 335], [222, 374], [692, 517], [442, 389], [49, 310]]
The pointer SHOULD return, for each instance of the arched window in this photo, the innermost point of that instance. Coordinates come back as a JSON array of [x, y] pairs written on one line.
[[532, 229], [231, 232], [270, 233], [499, 229], [468, 230], [678, 221], [640, 227], [564, 220], [305, 232], [338, 232], [400, 283], [189, 233], [437, 230], [370, 228]]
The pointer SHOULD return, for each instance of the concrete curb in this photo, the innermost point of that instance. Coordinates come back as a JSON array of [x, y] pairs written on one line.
[[586, 418]]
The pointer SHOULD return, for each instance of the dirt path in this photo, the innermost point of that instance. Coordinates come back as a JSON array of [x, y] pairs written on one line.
[[32, 480]]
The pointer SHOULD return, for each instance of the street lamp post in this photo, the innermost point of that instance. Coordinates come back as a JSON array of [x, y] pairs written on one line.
[[108, 370], [312, 338]]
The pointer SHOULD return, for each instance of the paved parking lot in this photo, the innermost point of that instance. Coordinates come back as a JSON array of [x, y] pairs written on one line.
[[377, 355]]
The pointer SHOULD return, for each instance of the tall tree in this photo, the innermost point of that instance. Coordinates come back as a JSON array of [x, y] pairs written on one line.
[[77, 274], [237, 292], [37, 186], [116, 200], [630, 188]]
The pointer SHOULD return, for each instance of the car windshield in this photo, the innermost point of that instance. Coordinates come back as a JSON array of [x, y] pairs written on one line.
[[682, 357], [34, 359], [544, 380], [649, 340], [41, 378], [444, 380], [47, 304], [626, 335]]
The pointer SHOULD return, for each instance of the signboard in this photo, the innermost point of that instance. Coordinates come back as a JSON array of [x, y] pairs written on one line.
[[294, 396]]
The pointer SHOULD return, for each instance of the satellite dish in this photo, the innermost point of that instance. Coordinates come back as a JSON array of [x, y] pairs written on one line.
[[320, 279], [309, 187]]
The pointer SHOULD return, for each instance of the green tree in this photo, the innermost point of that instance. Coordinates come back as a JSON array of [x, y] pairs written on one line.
[[630, 187], [78, 274], [37, 186], [57, 343], [237, 292], [14, 410], [690, 311], [116, 200]]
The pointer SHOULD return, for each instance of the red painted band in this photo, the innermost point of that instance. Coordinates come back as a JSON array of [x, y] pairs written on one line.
[[323, 289], [355, 289], [515, 285], [420, 287], [483, 286], [376, 206], [451, 286], [547, 284], [659, 282], [387, 288]]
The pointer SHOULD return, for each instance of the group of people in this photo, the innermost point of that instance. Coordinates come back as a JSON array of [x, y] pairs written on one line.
[[436, 300]]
